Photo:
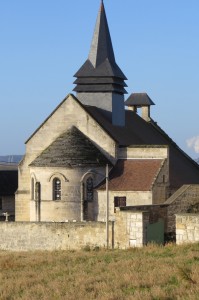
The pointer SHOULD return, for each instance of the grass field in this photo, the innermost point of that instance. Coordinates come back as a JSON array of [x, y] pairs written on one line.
[[170, 272]]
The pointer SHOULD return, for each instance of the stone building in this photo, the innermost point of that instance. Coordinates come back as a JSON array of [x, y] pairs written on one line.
[[62, 175]]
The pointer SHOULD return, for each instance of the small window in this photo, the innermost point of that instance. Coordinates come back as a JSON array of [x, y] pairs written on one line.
[[37, 191], [163, 178], [1, 203], [89, 189], [119, 202], [32, 189], [56, 189]]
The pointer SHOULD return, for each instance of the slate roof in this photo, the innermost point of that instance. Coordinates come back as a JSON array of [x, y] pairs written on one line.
[[138, 132], [8, 182], [133, 175], [101, 63], [72, 150], [139, 99]]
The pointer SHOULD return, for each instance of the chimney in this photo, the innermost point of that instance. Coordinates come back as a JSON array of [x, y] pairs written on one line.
[[140, 100]]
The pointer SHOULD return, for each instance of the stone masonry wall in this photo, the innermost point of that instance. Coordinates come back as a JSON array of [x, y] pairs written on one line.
[[187, 228], [135, 227], [155, 212], [143, 152], [160, 185], [25, 236], [129, 230], [132, 199], [180, 202], [69, 207]]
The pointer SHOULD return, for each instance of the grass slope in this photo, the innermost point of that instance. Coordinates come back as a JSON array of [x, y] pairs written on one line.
[[153, 272]]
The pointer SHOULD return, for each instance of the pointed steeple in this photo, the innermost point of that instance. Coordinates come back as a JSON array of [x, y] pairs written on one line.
[[101, 60], [101, 46], [100, 81]]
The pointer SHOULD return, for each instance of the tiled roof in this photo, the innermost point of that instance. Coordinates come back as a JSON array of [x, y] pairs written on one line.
[[133, 175], [8, 182], [72, 149]]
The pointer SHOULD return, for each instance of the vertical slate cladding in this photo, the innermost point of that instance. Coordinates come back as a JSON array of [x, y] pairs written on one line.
[[100, 81]]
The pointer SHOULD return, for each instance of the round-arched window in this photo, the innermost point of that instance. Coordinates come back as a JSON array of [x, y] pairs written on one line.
[[56, 189]]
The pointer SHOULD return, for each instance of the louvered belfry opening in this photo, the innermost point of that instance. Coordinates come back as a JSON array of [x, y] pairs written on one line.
[[100, 82]]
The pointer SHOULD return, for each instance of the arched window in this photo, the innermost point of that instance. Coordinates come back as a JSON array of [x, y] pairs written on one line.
[[89, 189], [56, 189], [32, 189]]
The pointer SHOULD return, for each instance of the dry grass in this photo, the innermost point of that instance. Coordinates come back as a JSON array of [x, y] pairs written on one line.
[[170, 272]]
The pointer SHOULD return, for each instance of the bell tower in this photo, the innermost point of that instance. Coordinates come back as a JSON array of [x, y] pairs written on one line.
[[100, 82]]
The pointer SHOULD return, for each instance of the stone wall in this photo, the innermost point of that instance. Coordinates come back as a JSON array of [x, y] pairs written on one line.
[[134, 224], [132, 199], [187, 228], [155, 152], [70, 206], [129, 230], [51, 236], [160, 185], [180, 202]]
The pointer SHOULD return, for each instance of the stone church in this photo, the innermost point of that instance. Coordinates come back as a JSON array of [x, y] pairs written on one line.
[[63, 173]]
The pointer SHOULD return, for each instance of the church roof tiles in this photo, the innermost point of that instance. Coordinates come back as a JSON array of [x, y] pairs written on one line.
[[134, 175]]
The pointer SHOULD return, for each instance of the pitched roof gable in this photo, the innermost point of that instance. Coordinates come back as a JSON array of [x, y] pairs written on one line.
[[71, 149], [84, 107]]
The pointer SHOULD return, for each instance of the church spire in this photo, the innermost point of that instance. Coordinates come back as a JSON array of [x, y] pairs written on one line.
[[100, 81], [101, 60], [101, 46]]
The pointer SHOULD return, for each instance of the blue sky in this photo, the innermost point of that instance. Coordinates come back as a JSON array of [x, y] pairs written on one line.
[[43, 44]]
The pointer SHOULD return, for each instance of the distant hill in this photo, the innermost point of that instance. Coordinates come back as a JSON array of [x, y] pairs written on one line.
[[10, 159]]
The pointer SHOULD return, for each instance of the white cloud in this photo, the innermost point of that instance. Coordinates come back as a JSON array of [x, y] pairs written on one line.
[[193, 143]]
